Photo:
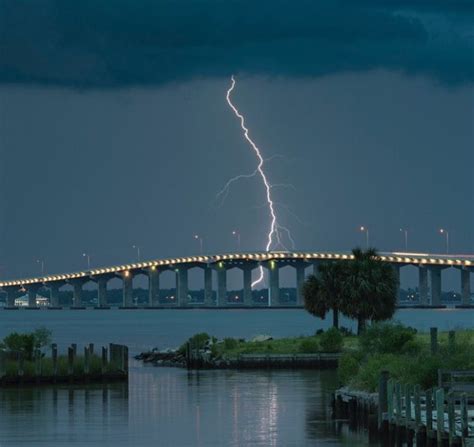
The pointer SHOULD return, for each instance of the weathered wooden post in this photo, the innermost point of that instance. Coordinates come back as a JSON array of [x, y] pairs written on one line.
[[451, 419], [398, 396], [70, 360], [74, 347], [434, 340], [104, 360], [418, 427], [464, 416], [383, 401], [54, 359], [91, 348], [439, 400], [452, 340], [407, 408], [86, 360], [429, 412], [390, 400]]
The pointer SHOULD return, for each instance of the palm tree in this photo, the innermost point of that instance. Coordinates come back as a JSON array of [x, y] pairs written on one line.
[[370, 288], [323, 293]]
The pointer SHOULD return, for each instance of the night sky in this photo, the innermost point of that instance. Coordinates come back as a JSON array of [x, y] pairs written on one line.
[[114, 129]]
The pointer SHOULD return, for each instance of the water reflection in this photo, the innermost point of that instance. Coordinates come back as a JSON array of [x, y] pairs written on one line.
[[174, 407], [58, 415]]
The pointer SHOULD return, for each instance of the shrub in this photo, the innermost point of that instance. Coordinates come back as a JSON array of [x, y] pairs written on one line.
[[386, 338], [348, 368], [197, 341], [331, 340], [230, 343], [23, 343], [309, 346]]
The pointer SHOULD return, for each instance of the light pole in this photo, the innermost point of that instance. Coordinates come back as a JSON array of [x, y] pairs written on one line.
[[405, 234], [88, 257], [41, 262], [446, 234], [199, 238], [237, 235], [136, 247], [366, 231]]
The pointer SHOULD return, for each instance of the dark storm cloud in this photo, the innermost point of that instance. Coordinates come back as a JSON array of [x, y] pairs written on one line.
[[90, 43]]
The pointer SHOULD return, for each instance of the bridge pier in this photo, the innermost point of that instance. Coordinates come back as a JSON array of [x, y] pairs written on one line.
[[32, 290], [77, 291], [435, 274], [465, 286], [153, 286], [221, 285], [12, 294], [127, 289], [423, 285], [274, 283], [208, 286], [182, 286], [247, 285], [300, 277], [54, 293], [102, 292]]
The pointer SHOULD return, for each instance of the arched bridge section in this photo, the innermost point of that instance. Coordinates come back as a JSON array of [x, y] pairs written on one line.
[[429, 267]]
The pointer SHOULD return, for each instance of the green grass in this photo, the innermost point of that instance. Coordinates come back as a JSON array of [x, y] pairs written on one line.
[[413, 363], [294, 345]]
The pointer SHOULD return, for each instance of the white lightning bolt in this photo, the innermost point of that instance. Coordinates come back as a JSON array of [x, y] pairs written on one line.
[[274, 225]]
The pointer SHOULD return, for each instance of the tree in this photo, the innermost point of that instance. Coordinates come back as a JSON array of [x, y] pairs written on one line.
[[370, 288], [324, 292]]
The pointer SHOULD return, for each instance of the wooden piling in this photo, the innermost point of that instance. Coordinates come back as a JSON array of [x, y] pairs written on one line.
[[54, 359], [464, 416], [383, 399], [86, 360], [104, 360], [70, 361], [20, 364], [439, 402], [451, 419]]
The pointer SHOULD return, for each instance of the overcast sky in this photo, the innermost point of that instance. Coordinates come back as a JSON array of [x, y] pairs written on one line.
[[114, 129]]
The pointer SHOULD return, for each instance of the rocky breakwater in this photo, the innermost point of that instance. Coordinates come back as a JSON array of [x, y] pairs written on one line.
[[200, 351]]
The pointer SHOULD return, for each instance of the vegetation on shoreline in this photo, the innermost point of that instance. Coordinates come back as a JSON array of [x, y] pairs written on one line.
[[399, 349], [405, 354], [331, 341]]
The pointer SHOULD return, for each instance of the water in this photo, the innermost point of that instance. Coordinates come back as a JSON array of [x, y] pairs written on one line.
[[172, 407]]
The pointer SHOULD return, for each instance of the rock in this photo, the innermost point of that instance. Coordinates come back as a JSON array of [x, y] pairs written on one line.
[[262, 337]]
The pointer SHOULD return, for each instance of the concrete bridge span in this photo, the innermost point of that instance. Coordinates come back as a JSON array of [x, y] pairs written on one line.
[[429, 266]]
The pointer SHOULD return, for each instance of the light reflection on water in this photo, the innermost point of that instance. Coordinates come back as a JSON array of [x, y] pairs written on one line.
[[173, 407]]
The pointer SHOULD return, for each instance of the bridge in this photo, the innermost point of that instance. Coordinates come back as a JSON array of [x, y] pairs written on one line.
[[429, 266]]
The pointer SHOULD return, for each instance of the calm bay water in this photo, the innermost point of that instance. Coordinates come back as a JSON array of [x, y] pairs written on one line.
[[171, 407]]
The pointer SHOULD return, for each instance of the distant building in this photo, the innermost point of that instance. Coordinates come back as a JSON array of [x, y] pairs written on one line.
[[22, 301]]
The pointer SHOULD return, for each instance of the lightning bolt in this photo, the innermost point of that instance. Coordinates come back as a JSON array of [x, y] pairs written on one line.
[[274, 235]]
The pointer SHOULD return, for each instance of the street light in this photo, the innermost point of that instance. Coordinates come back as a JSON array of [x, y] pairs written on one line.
[[446, 234], [136, 247], [237, 235], [41, 262], [88, 257], [405, 233], [199, 238], [366, 231]]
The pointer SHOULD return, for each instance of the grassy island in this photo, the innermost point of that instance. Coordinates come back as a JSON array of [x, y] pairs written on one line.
[[409, 356]]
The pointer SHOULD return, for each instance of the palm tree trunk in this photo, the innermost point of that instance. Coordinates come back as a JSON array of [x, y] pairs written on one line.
[[335, 318], [360, 325]]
